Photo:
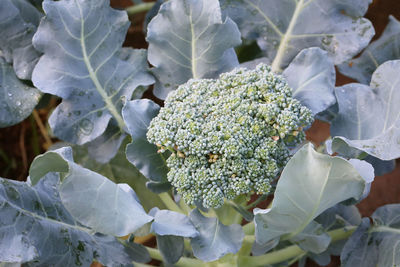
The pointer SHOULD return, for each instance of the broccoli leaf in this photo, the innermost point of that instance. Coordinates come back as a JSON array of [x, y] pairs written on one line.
[[189, 39], [119, 170], [91, 198], [137, 115], [168, 222], [215, 239], [368, 118], [387, 47], [283, 28], [376, 244], [17, 100], [28, 214], [83, 63], [171, 247], [18, 23], [312, 77], [324, 182]]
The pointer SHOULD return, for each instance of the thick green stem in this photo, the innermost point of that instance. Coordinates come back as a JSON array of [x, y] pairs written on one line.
[[249, 228], [170, 203], [132, 10], [183, 261], [292, 251]]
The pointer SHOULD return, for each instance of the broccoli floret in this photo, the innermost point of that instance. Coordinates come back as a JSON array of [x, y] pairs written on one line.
[[228, 136]]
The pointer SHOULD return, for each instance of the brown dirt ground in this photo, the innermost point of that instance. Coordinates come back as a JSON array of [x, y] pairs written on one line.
[[17, 143]]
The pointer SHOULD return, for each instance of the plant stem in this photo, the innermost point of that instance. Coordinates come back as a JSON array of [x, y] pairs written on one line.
[[35, 139], [170, 203], [294, 250], [183, 261], [249, 228], [42, 129], [132, 10]]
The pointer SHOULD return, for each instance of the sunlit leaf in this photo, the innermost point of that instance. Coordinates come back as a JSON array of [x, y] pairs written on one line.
[[283, 28], [83, 63], [312, 77], [310, 183], [91, 198], [368, 118], [190, 39], [387, 47]]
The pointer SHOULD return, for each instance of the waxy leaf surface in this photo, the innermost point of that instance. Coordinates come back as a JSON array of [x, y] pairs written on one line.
[[91, 198], [312, 77], [28, 214], [18, 22], [83, 63], [310, 183], [17, 100], [283, 28], [369, 117], [215, 239], [387, 47], [190, 39]]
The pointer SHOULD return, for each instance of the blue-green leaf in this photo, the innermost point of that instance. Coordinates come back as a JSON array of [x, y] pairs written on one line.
[[28, 214], [215, 239], [17, 100], [368, 118], [324, 181], [171, 247], [312, 77], [83, 63], [106, 146], [387, 47], [119, 170], [189, 39], [91, 198], [137, 115], [18, 23], [168, 222], [283, 28], [375, 244]]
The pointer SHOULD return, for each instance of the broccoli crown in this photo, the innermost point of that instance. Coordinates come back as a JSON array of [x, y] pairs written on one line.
[[228, 136]]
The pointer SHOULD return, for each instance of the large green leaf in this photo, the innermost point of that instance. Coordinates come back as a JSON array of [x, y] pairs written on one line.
[[84, 64], [376, 244], [119, 170], [18, 22], [91, 198], [283, 28], [310, 183], [189, 39], [215, 239], [312, 77], [368, 118], [35, 228], [387, 47], [137, 115], [17, 100]]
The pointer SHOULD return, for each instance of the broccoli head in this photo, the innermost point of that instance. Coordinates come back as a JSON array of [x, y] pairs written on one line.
[[228, 136]]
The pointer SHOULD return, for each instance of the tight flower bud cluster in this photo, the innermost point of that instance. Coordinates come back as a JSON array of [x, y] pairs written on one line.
[[228, 136]]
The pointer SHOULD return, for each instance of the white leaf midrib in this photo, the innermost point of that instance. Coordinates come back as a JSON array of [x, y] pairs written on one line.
[[93, 76]]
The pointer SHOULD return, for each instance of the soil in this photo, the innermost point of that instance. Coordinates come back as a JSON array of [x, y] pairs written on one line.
[[19, 144]]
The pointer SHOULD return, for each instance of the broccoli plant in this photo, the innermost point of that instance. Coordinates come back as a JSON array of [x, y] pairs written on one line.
[[229, 136], [238, 83]]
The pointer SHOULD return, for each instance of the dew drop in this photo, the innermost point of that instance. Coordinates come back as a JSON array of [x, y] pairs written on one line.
[[9, 94], [18, 103], [86, 126]]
